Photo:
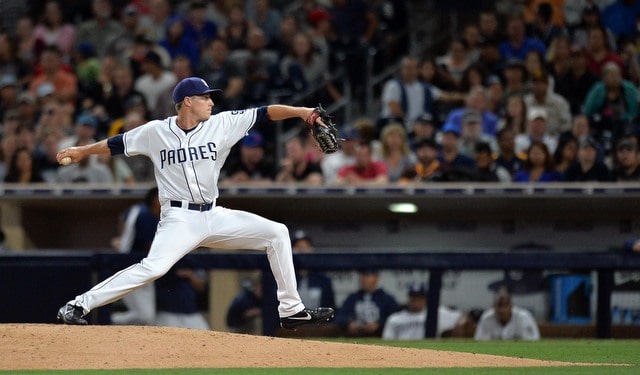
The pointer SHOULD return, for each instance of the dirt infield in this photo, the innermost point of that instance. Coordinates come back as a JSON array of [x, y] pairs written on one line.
[[42, 346]]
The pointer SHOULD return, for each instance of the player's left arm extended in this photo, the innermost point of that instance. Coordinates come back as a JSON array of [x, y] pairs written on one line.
[[78, 153]]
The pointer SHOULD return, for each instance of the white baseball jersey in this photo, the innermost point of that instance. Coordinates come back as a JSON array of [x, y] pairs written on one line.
[[522, 326], [406, 325], [187, 164]]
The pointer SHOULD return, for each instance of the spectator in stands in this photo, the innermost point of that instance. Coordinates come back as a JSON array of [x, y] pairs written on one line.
[[486, 169], [471, 34], [266, 17], [588, 167], [85, 131], [22, 168], [257, 64], [536, 131], [8, 94], [515, 78], [315, 288], [137, 227], [123, 43], [577, 81], [396, 153], [393, 29], [25, 42], [251, 167], [489, 27], [153, 24], [557, 107], [53, 30], [590, 18], [566, 153], [345, 156], [456, 60], [559, 57], [424, 127], [245, 312], [599, 53], [365, 170], [453, 165], [518, 44], [473, 75], [54, 118], [627, 166], [179, 44], [538, 167], [614, 102], [119, 168], [405, 98], [65, 86], [101, 29], [515, 114], [155, 81], [365, 312], [476, 100], [198, 28], [543, 28], [427, 166], [629, 54], [237, 29], [181, 69], [219, 71], [122, 90], [580, 127], [506, 322], [471, 134], [621, 17], [409, 323], [88, 170], [296, 167]]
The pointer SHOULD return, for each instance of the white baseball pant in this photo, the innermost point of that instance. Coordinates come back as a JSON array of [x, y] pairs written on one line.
[[181, 231]]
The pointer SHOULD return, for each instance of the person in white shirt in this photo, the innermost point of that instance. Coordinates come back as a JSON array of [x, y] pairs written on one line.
[[506, 322], [409, 324], [536, 131], [346, 155]]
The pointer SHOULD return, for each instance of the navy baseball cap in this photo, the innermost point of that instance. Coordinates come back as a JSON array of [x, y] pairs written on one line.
[[253, 139], [191, 86], [417, 289]]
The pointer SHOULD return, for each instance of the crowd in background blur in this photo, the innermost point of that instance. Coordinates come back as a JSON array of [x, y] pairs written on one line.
[[549, 94]]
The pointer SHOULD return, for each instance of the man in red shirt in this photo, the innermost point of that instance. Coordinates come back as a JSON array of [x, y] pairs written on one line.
[[365, 170]]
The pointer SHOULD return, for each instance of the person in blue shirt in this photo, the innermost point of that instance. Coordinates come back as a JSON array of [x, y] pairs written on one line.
[[365, 312], [539, 165], [453, 165], [518, 44]]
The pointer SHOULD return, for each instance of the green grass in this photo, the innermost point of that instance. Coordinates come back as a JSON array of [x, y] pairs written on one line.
[[610, 352]]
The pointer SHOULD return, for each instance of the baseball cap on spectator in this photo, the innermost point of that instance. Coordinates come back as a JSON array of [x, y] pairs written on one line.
[[349, 133], [483, 147], [153, 58], [589, 141], [8, 80], [26, 97], [451, 128], [471, 116], [130, 10], [191, 86], [417, 290], [425, 118], [253, 139], [45, 89], [626, 144], [536, 113], [493, 80], [300, 235], [87, 120], [427, 142], [318, 15]]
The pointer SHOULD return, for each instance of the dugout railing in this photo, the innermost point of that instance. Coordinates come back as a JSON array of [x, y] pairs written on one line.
[[34, 283]]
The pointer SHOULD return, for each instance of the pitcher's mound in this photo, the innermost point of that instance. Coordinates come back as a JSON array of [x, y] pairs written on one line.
[[43, 346]]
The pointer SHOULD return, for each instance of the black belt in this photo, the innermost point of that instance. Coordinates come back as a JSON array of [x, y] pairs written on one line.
[[193, 206]]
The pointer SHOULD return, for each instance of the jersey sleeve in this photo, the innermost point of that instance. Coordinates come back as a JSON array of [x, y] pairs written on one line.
[[137, 141], [238, 123]]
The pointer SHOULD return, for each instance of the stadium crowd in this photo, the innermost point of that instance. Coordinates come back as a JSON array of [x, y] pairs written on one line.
[[550, 94]]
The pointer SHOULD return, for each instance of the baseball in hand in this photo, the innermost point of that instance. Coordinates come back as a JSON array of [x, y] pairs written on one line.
[[65, 161]]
